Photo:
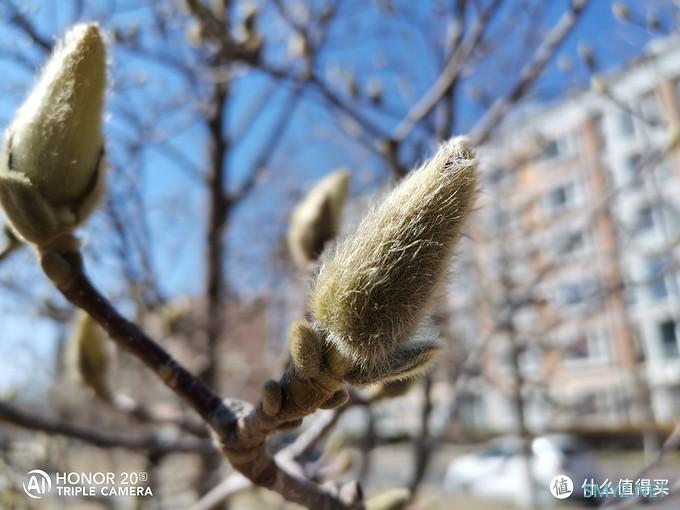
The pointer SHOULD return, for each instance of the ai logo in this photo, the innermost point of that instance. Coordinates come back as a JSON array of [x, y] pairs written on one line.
[[561, 486], [37, 484]]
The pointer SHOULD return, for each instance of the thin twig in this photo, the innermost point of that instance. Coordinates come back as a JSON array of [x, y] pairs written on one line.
[[530, 73], [151, 443], [448, 75]]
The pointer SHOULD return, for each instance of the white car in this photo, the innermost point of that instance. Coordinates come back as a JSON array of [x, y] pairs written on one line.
[[499, 470]]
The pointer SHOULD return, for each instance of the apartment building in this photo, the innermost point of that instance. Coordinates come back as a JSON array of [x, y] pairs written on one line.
[[568, 282]]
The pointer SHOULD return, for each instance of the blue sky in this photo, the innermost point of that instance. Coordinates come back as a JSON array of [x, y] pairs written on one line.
[[370, 46]]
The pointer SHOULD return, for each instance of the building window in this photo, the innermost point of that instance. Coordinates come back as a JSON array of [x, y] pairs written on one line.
[[649, 108], [578, 349], [550, 150], [592, 348], [626, 123], [633, 166], [570, 294], [561, 147], [669, 339], [572, 243], [560, 197], [645, 219], [656, 270], [574, 295], [598, 121]]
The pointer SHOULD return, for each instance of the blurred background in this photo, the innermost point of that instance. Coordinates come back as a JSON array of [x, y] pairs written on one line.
[[561, 317]]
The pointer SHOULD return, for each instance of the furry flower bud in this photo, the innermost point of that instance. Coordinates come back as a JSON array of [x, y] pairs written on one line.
[[50, 178], [371, 294], [316, 219]]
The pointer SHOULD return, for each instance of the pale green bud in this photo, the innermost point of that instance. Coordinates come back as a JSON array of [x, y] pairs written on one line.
[[653, 22], [305, 349], [50, 179], [673, 139], [375, 92], [338, 399], [92, 355], [372, 293], [272, 397], [587, 56], [393, 499], [599, 85], [316, 219]]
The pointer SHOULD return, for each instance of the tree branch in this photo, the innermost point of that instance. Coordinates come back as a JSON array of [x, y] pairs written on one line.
[[449, 74], [240, 429], [530, 73], [151, 443]]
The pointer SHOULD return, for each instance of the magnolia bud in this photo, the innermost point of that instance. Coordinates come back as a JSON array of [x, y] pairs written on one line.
[[673, 139], [375, 92], [305, 350], [272, 397], [352, 85], [373, 292], [50, 178], [92, 355], [393, 499], [316, 219], [587, 56], [599, 85], [338, 399], [621, 11], [653, 22]]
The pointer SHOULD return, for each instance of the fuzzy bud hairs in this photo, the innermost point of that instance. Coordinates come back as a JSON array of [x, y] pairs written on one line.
[[50, 176], [373, 292]]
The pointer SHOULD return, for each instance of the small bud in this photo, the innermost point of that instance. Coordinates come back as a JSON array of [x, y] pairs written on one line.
[[653, 22], [599, 85], [621, 11], [195, 33], [673, 140], [272, 397], [338, 399], [351, 493], [219, 7], [92, 355], [344, 461], [305, 349], [316, 219], [587, 56], [352, 86], [393, 499], [248, 37], [56, 268], [50, 177], [375, 92], [373, 292]]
